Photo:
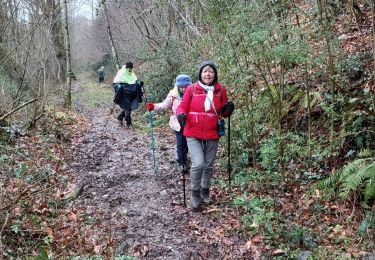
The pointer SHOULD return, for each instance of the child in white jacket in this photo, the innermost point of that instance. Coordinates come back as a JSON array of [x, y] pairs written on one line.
[[171, 102]]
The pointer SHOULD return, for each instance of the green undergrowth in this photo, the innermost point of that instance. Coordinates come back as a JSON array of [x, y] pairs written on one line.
[[141, 120], [94, 95], [289, 219]]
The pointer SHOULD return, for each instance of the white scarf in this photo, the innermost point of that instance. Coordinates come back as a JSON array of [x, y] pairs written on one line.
[[209, 96]]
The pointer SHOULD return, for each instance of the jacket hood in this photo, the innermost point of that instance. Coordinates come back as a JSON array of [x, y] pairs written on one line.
[[124, 76], [213, 66]]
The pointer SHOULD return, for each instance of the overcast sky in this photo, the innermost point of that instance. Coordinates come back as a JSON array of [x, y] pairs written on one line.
[[84, 8]]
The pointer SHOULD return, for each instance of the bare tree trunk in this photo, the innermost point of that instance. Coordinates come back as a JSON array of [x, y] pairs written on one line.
[[355, 12], [373, 32], [54, 8], [185, 18], [373, 50], [2, 21], [322, 6], [68, 96], [113, 47], [307, 84]]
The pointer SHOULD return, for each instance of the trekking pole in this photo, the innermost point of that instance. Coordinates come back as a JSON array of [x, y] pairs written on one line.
[[109, 114], [149, 99], [111, 109], [229, 167], [183, 184], [183, 180]]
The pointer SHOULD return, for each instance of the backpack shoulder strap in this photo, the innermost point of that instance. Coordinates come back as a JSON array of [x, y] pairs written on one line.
[[192, 92], [220, 93]]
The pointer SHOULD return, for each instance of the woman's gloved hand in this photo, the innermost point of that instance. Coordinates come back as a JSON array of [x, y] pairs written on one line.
[[181, 119], [150, 106], [230, 107], [227, 109]]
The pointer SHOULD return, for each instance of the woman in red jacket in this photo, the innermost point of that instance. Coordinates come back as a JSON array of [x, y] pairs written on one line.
[[202, 107]]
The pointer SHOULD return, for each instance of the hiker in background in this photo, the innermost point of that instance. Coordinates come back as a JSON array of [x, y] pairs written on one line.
[[101, 74], [171, 102], [128, 92], [202, 107]]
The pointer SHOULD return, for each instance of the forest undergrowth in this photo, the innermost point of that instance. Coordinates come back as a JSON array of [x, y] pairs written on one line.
[[301, 76], [259, 215]]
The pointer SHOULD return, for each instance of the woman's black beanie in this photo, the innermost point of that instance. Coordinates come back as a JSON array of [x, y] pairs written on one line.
[[129, 65], [212, 65]]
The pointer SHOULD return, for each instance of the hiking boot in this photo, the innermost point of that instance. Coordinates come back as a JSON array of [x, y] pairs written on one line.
[[205, 195], [195, 200], [119, 120], [130, 126]]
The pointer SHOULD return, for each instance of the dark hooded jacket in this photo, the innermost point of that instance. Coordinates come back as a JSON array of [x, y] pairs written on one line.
[[128, 96]]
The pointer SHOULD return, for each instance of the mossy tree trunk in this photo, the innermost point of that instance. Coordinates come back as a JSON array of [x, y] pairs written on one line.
[[68, 91]]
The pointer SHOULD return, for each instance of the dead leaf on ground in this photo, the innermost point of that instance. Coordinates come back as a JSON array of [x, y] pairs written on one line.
[[277, 252], [213, 210]]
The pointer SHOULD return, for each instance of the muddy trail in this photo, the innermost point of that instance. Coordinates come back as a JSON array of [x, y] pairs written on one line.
[[146, 212]]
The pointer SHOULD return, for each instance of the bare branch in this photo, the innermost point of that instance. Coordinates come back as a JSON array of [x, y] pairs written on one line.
[[17, 108], [1, 234]]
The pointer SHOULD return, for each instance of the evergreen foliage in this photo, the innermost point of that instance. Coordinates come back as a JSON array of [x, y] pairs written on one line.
[[356, 178]]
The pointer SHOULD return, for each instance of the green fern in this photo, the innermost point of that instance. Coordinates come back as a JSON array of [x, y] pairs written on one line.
[[357, 177], [350, 184], [327, 183], [315, 97], [365, 153], [332, 181], [360, 180], [370, 184]]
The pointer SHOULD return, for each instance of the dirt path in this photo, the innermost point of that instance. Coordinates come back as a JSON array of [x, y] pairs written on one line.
[[147, 213]]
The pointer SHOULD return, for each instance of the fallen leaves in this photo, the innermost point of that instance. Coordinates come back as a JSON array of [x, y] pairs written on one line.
[[38, 159], [251, 249], [140, 250]]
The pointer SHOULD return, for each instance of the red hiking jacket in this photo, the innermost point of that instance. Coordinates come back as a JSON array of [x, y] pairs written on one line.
[[201, 124]]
